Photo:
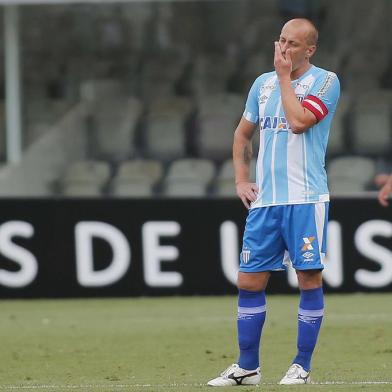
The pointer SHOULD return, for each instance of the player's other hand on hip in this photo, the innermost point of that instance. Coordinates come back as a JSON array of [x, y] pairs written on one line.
[[247, 192]]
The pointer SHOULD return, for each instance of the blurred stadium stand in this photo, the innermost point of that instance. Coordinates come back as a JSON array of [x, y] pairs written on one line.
[[142, 99]]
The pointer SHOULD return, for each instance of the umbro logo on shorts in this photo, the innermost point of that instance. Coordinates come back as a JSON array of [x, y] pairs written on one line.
[[308, 255]]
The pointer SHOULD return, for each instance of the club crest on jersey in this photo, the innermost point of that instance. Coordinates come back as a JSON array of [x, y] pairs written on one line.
[[308, 243], [245, 255], [269, 122]]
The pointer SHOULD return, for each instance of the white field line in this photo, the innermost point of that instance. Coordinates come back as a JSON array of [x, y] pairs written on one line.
[[130, 386]]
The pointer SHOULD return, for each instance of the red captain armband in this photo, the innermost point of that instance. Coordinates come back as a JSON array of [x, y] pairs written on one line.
[[316, 106]]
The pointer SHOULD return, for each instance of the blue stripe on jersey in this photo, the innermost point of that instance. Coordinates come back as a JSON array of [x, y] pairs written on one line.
[[305, 166], [281, 167], [325, 230], [266, 186]]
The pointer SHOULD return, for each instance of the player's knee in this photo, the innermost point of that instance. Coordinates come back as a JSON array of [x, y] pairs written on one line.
[[249, 285], [252, 281]]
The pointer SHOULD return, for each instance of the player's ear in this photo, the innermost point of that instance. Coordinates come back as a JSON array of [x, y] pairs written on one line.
[[310, 51]]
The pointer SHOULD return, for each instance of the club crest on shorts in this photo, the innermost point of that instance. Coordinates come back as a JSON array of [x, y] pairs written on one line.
[[245, 255], [308, 243]]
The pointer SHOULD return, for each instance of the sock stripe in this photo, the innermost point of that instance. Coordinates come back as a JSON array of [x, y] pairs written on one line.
[[255, 310], [312, 313], [308, 319]]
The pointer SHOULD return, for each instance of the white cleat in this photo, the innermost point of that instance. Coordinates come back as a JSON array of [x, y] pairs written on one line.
[[295, 375], [234, 375]]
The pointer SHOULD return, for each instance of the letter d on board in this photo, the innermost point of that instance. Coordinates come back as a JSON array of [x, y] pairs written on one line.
[[84, 234]]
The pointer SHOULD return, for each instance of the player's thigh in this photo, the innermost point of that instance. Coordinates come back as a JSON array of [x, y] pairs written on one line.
[[305, 234], [263, 247]]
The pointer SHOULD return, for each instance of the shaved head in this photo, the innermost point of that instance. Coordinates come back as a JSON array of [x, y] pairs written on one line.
[[307, 27], [298, 38]]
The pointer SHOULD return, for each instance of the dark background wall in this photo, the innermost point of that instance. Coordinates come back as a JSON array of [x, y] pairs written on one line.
[[89, 248]]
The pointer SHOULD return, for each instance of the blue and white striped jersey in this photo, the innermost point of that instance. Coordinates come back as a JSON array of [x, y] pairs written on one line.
[[291, 167]]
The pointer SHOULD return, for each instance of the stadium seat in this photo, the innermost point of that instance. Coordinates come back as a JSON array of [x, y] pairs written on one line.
[[225, 180], [328, 59], [378, 96], [357, 70], [217, 117], [336, 140], [189, 177], [136, 188], [211, 72], [114, 130], [203, 86], [136, 18], [215, 137], [167, 65], [140, 168], [85, 178], [160, 72], [165, 137], [372, 129], [255, 65], [81, 189], [171, 105], [231, 105], [261, 23], [150, 88], [137, 178], [340, 186], [88, 170], [98, 89], [185, 188], [350, 174]]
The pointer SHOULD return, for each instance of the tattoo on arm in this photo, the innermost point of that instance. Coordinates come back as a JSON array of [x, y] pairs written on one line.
[[247, 157]]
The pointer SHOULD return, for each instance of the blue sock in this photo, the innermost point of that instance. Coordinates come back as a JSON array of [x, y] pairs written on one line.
[[251, 317], [310, 315]]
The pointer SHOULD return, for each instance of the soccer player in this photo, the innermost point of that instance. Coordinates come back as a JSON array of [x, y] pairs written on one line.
[[385, 192], [288, 207]]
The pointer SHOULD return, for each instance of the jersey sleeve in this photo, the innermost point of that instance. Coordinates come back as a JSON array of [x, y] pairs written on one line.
[[323, 96], [251, 112]]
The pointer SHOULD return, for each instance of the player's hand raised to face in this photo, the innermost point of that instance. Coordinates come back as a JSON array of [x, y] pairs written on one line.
[[247, 192], [282, 62]]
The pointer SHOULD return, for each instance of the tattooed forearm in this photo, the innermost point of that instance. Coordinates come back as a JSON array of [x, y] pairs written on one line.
[[247, 156]]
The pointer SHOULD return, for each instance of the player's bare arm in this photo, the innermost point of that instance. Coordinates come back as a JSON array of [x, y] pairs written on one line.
[[242, 156], [299, 118]]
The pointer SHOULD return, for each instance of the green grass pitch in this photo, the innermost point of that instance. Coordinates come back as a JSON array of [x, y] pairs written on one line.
[[177, 344]]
